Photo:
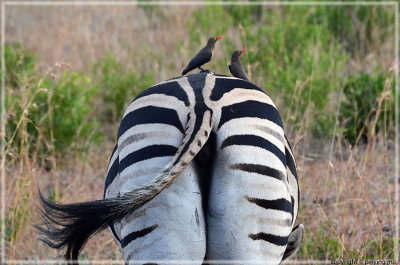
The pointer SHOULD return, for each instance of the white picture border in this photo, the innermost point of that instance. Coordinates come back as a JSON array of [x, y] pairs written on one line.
[[4, 4]]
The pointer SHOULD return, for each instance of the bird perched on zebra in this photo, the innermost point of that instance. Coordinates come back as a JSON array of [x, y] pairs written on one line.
[[202, 170], [236, 67], [203, 56]]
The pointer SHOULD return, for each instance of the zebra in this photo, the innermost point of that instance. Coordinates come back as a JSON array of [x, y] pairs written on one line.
[[237, 194]]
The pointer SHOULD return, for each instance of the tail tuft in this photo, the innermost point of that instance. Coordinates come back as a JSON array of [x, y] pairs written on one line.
[[71, 225]]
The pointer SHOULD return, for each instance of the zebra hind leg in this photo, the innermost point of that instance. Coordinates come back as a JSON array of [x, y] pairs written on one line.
[[294, 241]]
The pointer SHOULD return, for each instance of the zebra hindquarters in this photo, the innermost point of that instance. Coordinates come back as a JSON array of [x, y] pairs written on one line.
[[171, 226], [249, 215]]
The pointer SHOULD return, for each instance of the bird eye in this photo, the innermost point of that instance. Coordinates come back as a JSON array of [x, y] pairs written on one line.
[[215, 38]]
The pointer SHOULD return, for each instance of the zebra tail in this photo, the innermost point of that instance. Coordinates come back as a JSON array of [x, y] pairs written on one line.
[[71, 225]]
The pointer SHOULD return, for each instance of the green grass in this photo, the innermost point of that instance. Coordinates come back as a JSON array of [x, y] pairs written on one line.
[[318, 245], [117, 86], [368, 107]]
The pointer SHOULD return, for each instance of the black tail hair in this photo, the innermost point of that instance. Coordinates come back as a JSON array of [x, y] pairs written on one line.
[[71, 225]]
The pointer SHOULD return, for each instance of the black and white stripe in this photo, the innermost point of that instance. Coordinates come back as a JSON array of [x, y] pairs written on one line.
[[238, 200]]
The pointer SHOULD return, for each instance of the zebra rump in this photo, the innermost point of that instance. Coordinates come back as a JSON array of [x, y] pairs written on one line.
[[71, 225], [209, 105]]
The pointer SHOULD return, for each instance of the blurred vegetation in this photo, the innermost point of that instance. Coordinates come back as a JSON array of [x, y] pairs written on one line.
[[117, 85], [368, 106], [322, 247], [301, 56], [299, 73], [19, 62], [318, 245], [48, 115], [357, 28]]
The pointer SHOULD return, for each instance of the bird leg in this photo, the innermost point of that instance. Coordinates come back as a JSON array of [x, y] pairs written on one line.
[[203, 70]]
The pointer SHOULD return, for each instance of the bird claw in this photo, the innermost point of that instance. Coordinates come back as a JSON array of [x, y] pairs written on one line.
[[205, 70]]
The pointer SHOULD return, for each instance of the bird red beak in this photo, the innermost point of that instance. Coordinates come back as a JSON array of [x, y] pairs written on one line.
[[243, 51], [219, 37]]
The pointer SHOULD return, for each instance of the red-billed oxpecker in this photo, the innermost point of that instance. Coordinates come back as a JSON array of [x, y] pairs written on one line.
[[236, 66], [203, 56]]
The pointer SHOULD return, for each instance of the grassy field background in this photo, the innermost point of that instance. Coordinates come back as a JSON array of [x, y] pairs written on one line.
[[71, 71]]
